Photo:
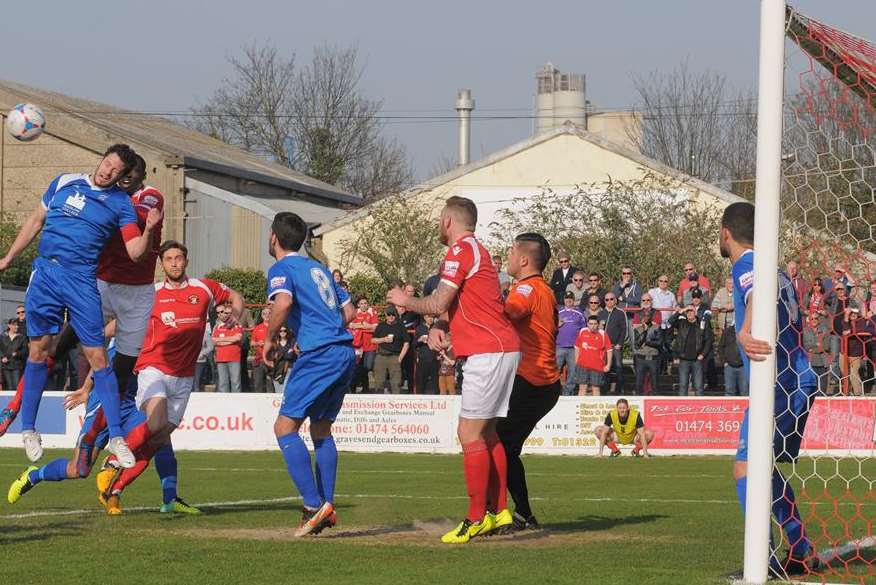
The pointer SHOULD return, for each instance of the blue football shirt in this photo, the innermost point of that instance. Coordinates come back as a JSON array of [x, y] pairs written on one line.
[[792, 363], [80, 218], [315, 318]]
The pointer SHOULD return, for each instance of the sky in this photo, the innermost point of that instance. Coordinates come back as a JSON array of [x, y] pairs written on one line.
[[165, 56]]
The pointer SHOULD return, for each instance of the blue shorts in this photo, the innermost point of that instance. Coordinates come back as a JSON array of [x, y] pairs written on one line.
[[53, 288], [792, 411], [318, 382]]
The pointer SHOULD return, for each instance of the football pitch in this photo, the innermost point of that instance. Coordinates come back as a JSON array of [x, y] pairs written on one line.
[[608, 521]]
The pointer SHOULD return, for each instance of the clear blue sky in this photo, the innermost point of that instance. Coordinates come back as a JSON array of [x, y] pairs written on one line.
[[163, 55]]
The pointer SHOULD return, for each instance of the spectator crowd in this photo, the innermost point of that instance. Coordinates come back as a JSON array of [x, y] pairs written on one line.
[[618, 337]]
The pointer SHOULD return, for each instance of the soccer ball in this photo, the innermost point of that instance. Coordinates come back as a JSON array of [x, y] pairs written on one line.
[[25, 122]]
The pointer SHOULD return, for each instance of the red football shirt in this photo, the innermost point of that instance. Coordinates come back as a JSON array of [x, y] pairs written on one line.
[[227, 353], [362, 337], [592, 349], [478, 323], [114, 264], [258, 336], [176, 325]]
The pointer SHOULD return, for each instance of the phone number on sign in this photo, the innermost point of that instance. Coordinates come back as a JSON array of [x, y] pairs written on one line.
[[707, 426], [394, 429]]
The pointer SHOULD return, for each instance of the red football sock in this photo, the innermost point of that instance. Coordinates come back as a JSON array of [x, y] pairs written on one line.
[[97, 426], [129, 475], [637, 448], [497, 495], [138, 436], [476, 464], [613, 446], [143, 456]]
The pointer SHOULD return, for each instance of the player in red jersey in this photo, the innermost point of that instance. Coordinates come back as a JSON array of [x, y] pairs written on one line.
[[166, 366], [127, 287], [482, 333]]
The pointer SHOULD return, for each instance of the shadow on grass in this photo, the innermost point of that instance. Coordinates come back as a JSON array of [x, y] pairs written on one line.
[[18, 533], [594, 523], [292, 507]]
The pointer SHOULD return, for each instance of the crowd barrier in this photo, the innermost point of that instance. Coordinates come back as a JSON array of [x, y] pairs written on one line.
[[427, 424]]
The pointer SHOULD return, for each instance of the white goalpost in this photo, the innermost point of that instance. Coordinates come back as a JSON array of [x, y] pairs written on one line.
[[765, 289]]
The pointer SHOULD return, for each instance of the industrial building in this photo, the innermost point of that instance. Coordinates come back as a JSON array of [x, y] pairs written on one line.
[[569, 147], [220, 199]]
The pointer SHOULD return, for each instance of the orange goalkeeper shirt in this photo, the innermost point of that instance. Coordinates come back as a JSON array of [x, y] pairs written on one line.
[[531, 305]]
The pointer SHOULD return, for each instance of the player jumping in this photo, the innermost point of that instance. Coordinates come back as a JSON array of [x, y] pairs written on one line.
[[531, 306], [126, 291], [483, 334], [77, 215], [795, 387], [317, 310], [166, 366]]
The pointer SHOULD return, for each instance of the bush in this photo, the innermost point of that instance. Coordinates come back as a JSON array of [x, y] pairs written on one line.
[[18, 273], [369, 286], [251, 284]]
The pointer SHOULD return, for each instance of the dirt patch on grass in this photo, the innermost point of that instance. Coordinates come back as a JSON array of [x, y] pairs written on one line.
[[424, 533]]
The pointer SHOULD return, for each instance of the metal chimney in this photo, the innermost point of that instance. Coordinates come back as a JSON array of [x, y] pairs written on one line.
[[464, 106]]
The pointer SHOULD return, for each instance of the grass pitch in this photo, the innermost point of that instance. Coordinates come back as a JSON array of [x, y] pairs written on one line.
[[607, 521]]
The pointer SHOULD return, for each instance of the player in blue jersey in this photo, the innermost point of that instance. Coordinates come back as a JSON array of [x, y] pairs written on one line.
[[795, 387], [308, 300], [77, 215], [93, 437]]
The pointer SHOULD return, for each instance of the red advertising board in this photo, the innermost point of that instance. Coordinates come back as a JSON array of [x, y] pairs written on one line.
[[841, 423], [694, 423]]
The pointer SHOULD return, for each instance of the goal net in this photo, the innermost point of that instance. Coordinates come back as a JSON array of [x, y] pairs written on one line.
[[828, 237]]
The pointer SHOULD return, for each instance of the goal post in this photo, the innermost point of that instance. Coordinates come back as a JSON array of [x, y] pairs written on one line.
[[768, 188], [811, 478]]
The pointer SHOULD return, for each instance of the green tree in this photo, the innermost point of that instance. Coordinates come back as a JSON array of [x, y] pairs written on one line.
[[18, 274], [647, 223], [369, 286], [248, 282], [398, 242]]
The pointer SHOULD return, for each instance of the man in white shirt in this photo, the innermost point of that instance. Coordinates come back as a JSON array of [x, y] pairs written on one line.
[[663, 298]]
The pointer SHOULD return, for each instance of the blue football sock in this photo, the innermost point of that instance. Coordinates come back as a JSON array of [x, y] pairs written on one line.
[[166, 466], [741, 490], [35, 376], [326, 467], [297, 459], [107, 388], [53, 471], [786, 514]]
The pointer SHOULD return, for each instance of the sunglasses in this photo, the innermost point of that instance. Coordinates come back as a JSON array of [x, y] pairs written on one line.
[[626, 273], [610, 299], [19, 312], [564, 261], [594, 280], [577, 280], [663, 280], [646, 300], [593, 302]]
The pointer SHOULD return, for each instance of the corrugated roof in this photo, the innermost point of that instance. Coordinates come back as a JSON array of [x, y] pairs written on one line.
[[74, 119], [567, 129]]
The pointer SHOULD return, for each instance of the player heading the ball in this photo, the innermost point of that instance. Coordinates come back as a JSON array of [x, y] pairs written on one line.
[[77, 215]]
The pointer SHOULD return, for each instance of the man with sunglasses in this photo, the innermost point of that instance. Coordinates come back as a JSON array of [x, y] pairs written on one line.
[[690, 277], [594, 288], [562, 276], [616, 329], [662, 298], [577, 288], [627, 291]]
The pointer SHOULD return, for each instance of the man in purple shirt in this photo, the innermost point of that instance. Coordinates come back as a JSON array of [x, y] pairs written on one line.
[[571, 320]]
